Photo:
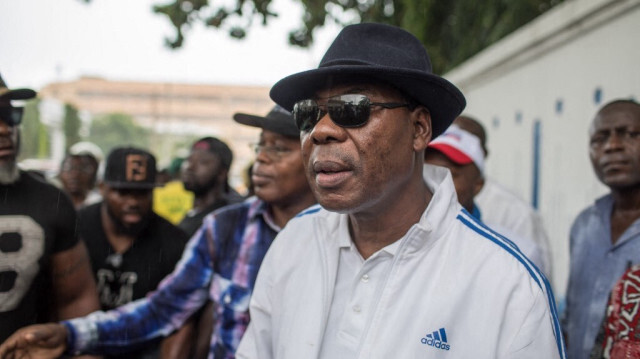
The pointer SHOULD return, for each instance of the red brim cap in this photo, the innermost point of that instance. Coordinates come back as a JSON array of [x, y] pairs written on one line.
[[452, 153]]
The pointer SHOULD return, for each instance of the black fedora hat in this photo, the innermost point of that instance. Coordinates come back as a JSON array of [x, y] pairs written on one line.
[[382, 52], [278, 120]]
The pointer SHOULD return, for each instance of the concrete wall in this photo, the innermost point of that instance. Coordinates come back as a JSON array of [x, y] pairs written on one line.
[[558, 71]]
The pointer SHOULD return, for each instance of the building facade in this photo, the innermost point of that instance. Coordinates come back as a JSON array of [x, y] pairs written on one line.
[[183, 109]]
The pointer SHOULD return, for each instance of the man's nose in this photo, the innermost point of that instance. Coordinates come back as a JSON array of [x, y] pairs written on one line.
[[5, 129], [614, 142], [326, 130]]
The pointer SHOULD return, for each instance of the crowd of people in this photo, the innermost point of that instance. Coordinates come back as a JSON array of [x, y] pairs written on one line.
[[371, 231]]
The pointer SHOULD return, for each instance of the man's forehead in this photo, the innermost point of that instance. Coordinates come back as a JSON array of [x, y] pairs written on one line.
[[78, 158], [616, 116], [274, 136]]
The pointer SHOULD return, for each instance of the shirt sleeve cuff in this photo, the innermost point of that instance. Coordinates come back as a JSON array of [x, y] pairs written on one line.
[[82, 334]]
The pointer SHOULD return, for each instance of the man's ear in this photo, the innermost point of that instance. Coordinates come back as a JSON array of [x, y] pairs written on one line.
[[423, 131]]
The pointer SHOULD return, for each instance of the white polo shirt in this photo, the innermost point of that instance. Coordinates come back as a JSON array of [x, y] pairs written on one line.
[[358, 283], [449, 288]]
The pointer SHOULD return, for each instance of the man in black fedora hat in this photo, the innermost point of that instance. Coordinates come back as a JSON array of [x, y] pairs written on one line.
[[44, 267], [388, 265], [220, 263]]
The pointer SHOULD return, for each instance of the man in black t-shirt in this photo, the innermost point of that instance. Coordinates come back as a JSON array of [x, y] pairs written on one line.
[[44, 268], [131, 248]]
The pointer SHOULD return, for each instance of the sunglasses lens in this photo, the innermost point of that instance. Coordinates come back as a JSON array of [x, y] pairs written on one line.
[[305, 113], [11, 115], [349, 110]]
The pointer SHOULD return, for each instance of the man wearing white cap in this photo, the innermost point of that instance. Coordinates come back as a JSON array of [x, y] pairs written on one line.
[[78, 173], [461, 152]]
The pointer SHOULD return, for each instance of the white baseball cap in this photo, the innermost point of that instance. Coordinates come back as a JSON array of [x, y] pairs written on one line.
[[460, 146], [87, 149]]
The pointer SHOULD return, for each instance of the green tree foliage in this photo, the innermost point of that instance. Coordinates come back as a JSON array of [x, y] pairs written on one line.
[[71, 125], [452, 30], [34, 138], [114, 130]]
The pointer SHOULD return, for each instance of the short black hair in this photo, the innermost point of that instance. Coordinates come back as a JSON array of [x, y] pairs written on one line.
[[622, 101]]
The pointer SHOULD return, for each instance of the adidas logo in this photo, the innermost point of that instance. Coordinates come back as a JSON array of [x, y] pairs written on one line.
[[437, 339]]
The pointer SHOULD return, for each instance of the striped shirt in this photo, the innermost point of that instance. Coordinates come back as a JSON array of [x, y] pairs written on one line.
[[220, 263]]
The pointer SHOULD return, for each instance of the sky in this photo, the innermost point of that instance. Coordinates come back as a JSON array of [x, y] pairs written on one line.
[[43, 41]]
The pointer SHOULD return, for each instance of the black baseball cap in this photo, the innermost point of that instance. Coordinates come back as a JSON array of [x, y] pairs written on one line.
[[130, 168], [14, 94], [278, 120]]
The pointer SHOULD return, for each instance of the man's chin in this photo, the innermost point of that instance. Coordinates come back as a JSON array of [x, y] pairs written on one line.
[[9, 172]]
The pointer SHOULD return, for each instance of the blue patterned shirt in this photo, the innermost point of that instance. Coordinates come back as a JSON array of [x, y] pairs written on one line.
[[220, 263], [596, 265]]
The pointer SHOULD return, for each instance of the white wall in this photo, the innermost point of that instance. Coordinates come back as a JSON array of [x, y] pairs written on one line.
[[564, 56]]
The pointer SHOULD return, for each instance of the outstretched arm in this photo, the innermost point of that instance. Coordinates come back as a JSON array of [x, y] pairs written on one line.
[[127, 327], [41, 341]]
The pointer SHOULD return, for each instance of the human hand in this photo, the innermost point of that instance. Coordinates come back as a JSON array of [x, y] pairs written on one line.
[[41, 341]]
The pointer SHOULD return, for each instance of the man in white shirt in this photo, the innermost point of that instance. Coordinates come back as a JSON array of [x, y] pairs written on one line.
[[461, 152], [501, 208], [388, 265]]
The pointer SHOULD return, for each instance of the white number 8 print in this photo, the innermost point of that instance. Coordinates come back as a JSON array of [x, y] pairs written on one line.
[[21, 245]]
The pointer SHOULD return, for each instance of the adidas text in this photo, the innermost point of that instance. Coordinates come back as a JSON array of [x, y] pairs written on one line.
[[437, 339]]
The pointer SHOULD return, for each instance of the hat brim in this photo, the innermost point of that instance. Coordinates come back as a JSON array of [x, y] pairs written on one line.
[[18, 94], [452, 153], [267, 124], [443, 100]]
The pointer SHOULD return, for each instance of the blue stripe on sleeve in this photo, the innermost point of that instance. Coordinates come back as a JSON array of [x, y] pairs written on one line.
[[535, 273]]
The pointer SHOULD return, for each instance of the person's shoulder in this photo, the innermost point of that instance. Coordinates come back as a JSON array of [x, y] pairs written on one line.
[[89, 217], [594, 209], [48, 196], [483, 246], [498, 192], [39, 185], [89, 209], [168, 230]]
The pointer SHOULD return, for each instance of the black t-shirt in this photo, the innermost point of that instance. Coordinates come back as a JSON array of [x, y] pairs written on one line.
[[122, 278], [125, 277], [36, 221]]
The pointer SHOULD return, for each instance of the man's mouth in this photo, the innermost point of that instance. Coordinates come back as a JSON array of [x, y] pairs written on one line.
[[260, 178], [616, 165], [331, 173], [7, 150], [131, 217]]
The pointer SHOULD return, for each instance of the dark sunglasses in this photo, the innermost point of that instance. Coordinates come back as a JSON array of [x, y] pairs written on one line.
[[12, 116], [349, 111]]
